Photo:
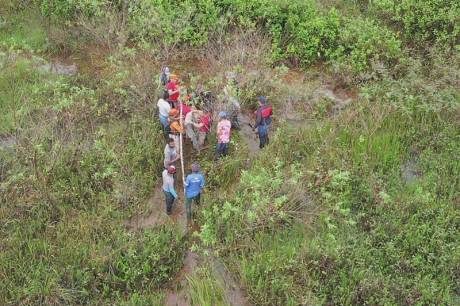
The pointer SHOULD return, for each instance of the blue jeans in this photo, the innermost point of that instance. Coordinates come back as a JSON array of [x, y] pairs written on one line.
[[188, 205], [222, 149]]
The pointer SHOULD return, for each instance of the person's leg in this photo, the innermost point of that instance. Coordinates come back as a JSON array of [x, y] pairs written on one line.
[[188, 208], [225, 149], [263, 140], [169, 202], [198, 199], [166, 131], [195, 141], [201, 139], [218, 150]]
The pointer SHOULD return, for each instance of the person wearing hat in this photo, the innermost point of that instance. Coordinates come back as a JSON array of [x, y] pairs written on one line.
[[194, 184], [263, 121], [173, 90], [223, 135], [168, 188]]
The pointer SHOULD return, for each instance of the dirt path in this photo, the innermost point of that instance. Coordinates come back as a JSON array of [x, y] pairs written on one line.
[[248, 135], [179, 295], [233, 292]]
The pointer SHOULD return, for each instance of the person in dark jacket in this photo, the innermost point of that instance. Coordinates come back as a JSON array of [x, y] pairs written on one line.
[[263, 121]]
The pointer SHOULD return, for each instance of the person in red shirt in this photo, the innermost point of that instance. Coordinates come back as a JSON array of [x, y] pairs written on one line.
[[203, 128], [173, 90]]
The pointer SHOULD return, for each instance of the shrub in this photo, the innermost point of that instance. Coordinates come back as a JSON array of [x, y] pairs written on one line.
[[314, 34], [364, 45], [162, 23], [422, 22]]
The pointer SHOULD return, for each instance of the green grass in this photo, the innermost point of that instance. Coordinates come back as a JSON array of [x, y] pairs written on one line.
[[23, 30], [204, 289], [322, 216], [372, 237]]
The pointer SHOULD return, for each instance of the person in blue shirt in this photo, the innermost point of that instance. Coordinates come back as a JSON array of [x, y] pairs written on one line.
[[194, 183]]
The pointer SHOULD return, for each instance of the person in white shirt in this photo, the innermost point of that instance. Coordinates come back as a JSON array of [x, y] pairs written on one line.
[[163, 111], [192, 126], [168, 188]]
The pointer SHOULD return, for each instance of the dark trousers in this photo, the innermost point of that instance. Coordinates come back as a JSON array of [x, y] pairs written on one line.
[[169, 199], [263, 140], [222, 149], [188, 205], [173, 104], [166, 132]]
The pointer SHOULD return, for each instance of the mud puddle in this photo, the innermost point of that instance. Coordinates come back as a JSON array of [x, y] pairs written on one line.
[[59, 68], [410, 170]]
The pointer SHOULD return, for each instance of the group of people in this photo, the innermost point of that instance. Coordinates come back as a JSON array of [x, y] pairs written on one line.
[[178, 117]]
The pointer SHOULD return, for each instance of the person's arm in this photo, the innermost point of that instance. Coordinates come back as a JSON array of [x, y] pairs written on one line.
[[186, 183], [219, 129], [258, 118], [202, 182], [175, 159], [173, 191]]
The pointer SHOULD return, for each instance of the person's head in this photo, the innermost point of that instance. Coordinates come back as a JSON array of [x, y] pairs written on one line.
[[171, 143], [195, 167], [262, 100], [171, 169], [174, 78], [164, 95], [222, 115]]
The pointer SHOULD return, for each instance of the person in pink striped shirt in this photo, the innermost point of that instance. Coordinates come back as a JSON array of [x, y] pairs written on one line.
[[223, 135]]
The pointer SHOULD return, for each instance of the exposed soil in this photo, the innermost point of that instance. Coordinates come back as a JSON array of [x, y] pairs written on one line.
[[234, 294], [248, 135], [410, 171], [179, 296], [59, 68], [7, 142]]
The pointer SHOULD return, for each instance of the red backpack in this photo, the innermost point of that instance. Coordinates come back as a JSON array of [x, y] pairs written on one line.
[[267, 112]]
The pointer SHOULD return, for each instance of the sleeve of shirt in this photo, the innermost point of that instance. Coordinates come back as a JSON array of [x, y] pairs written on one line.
[[258, 117], [187, 181], [202, 181], [173, 191]]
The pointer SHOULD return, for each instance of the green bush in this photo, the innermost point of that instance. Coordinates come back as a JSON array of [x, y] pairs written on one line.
[[363, 45], [69, 9], [314, 34], [421, 22], [171, 24]]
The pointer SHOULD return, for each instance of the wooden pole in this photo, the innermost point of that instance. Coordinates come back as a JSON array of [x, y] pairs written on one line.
[[180, 148]]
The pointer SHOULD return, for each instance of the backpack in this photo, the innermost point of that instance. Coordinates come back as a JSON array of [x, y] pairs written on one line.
[[267, 112]]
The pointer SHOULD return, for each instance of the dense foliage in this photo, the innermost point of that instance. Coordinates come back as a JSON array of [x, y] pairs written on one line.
[[352, 203], [375, 234]]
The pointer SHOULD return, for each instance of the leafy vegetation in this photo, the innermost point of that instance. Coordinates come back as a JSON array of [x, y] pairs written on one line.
[[356, 205]]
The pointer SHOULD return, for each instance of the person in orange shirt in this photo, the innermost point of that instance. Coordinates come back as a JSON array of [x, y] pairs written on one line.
[[175, 127]]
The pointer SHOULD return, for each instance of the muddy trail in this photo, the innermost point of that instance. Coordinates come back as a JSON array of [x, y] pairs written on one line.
[[178, 293], [234, 293]]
